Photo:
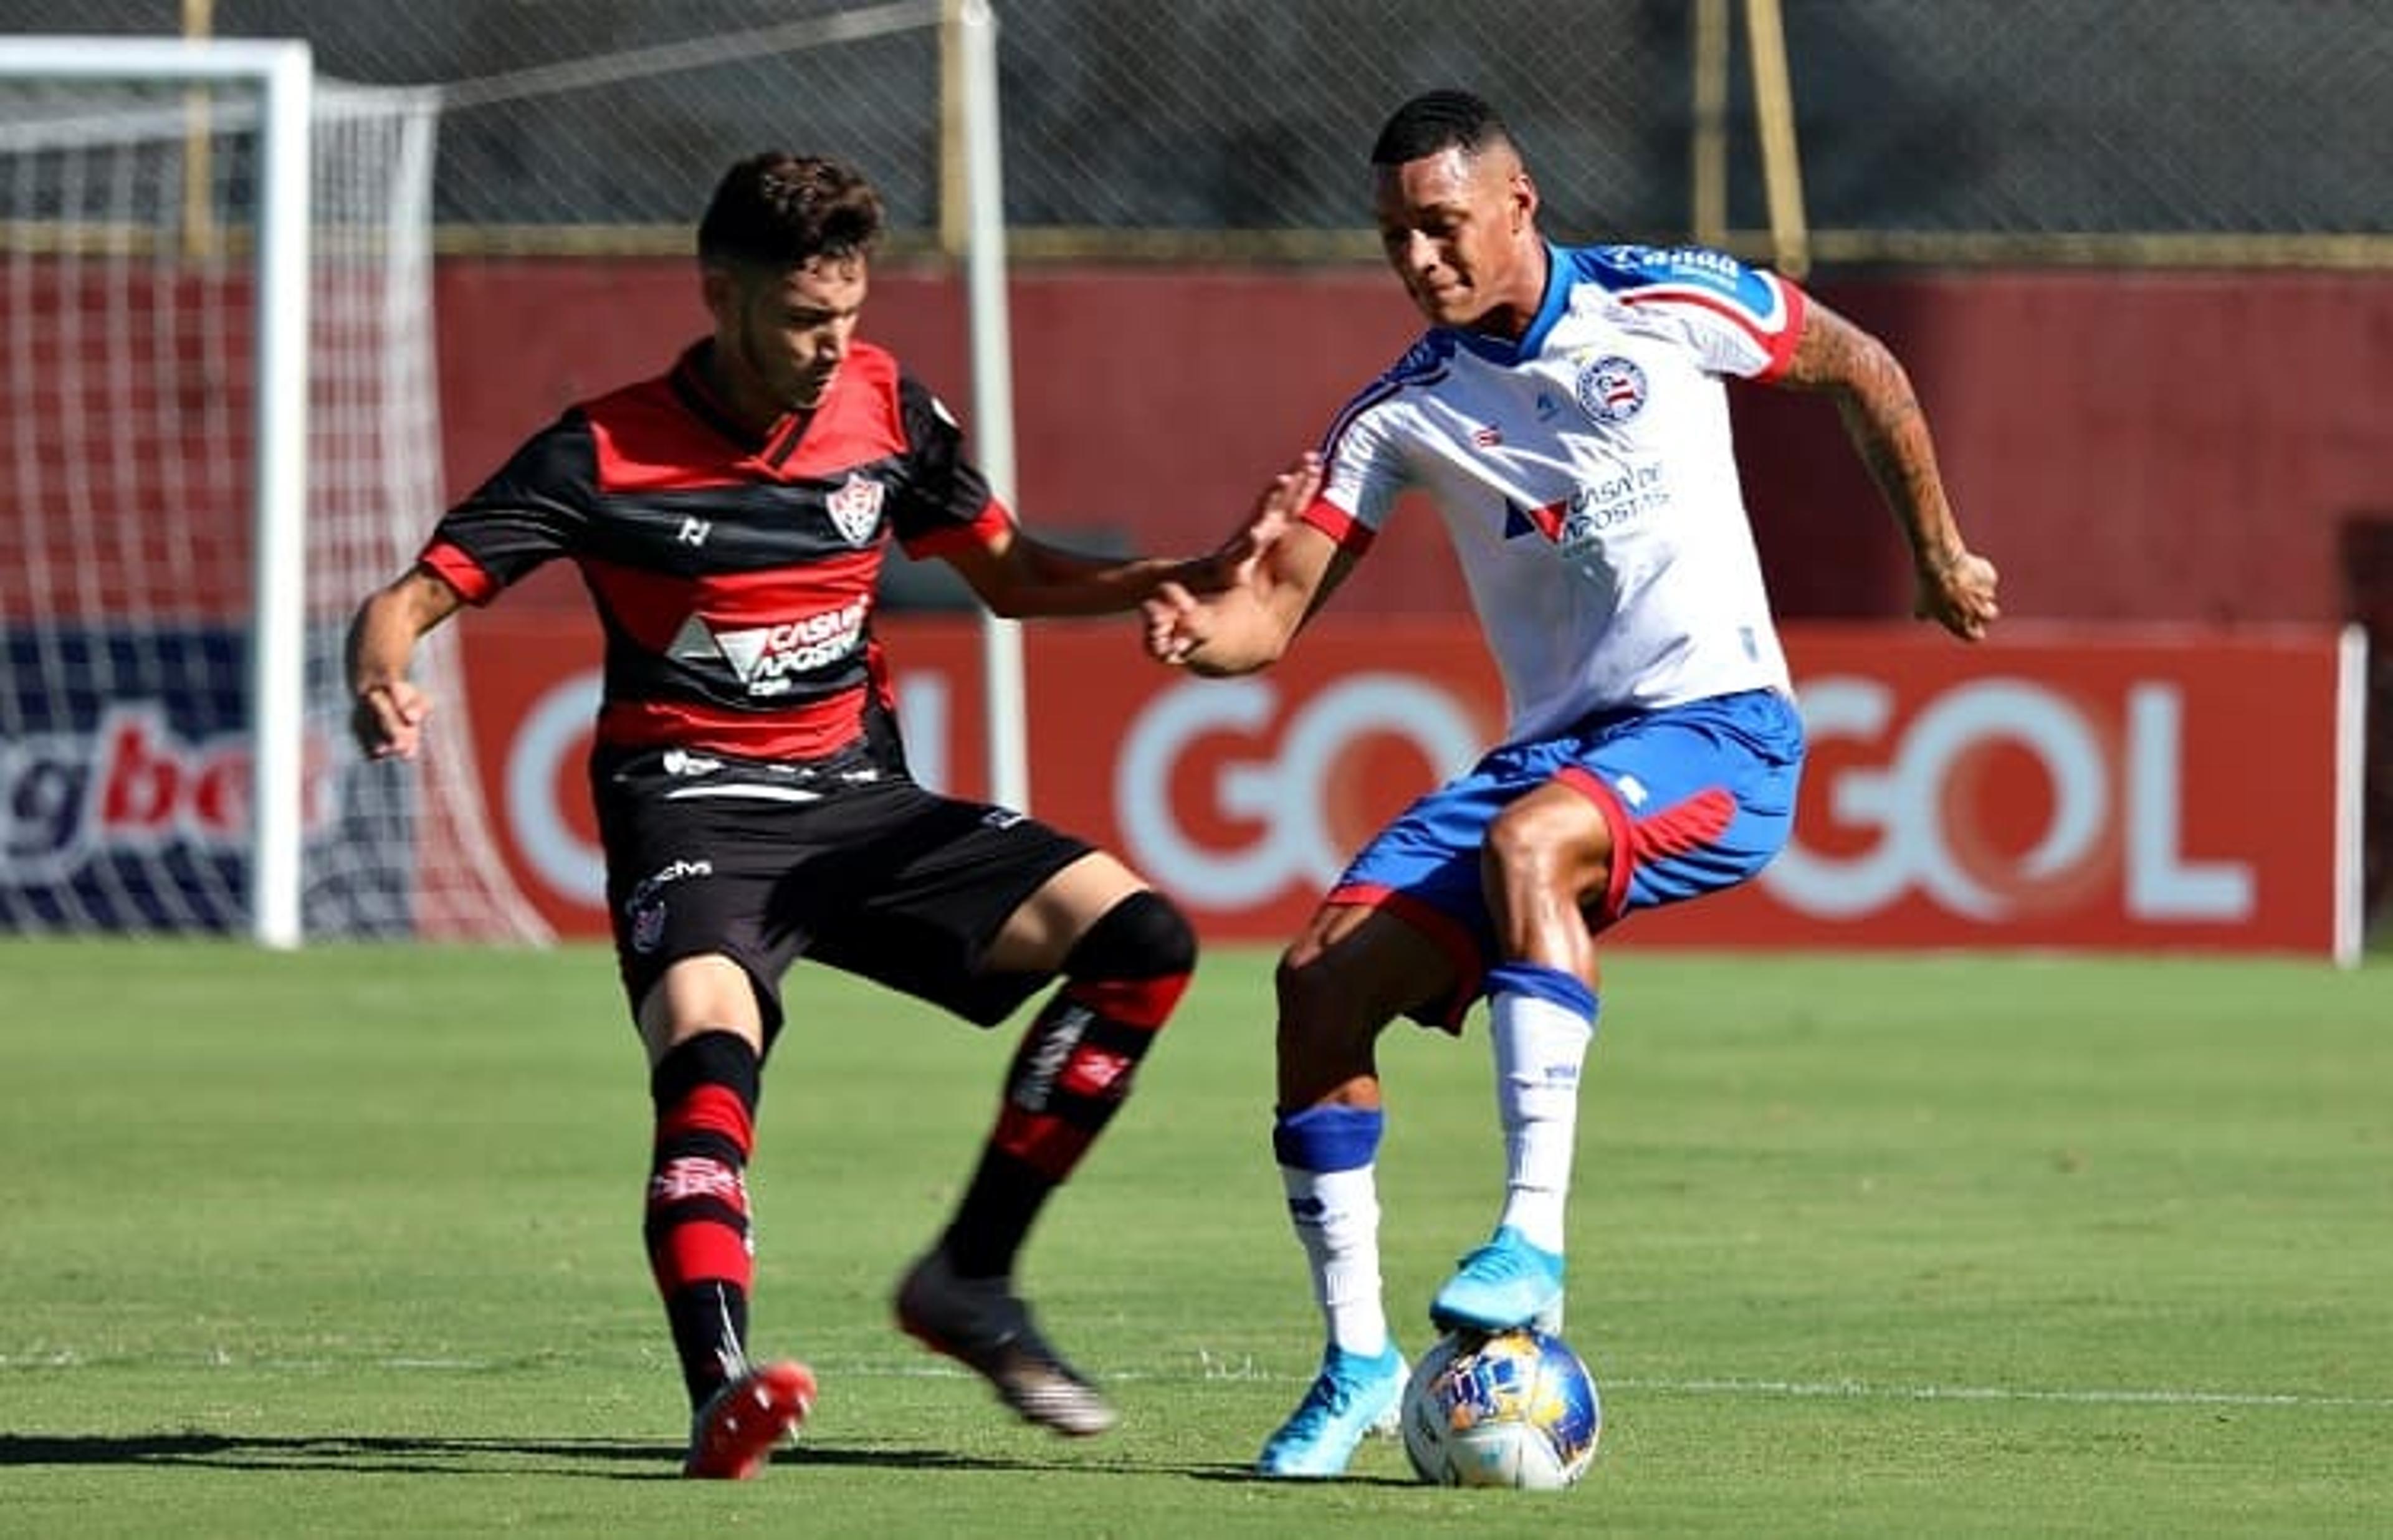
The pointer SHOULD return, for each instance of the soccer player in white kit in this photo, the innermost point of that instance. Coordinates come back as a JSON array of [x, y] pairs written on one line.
[[1567, 412]]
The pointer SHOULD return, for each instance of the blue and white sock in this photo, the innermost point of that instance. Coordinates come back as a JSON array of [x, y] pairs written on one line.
[[1540, 1021], [1327, 1157]]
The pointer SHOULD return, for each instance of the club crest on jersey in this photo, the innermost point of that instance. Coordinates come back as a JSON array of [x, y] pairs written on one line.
[[1611, 389], [856, 508]]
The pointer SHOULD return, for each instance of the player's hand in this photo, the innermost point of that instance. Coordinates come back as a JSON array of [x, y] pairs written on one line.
[[388, 720], [1176, 624], [1958, 593], [1236, 561], [1181, 612], [1279, 505]]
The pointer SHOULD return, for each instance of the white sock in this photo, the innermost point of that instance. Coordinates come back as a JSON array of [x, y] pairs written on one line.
[[1337, 1218], [1540, 1045]]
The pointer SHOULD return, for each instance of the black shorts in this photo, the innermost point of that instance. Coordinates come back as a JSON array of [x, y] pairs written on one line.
[[843, 862]]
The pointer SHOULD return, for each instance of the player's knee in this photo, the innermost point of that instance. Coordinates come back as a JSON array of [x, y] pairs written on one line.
[[1546, 842], [1143, 936], [1311, 997]]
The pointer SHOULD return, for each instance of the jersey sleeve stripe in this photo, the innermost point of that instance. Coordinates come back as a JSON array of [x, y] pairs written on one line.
[[983, 532], [1790, 333], [1776, 334], [452, 565], [1348, 533]]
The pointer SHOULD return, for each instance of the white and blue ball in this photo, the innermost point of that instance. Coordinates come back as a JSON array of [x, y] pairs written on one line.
[[1515, 1409]]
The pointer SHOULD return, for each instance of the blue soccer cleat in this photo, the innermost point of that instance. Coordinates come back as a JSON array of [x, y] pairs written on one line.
[[1355, 1396], [1504, 1284]]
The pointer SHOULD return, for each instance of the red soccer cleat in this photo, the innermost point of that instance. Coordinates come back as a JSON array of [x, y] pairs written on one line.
[[734, 1433]]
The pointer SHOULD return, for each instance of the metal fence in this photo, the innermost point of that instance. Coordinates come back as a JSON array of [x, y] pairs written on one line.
[[1925, 130]]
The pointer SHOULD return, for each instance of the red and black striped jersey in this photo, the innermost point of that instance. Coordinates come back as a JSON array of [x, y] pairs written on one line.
[[734, 575]]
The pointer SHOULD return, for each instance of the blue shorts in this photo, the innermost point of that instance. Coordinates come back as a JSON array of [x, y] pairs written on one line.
[[1698, 798]]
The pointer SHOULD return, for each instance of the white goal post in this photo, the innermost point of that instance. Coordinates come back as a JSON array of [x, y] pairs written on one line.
[[284, 77], [221, 428], [975, 23]]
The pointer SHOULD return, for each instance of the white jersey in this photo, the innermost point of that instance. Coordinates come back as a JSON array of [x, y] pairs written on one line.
[[1586, 479]]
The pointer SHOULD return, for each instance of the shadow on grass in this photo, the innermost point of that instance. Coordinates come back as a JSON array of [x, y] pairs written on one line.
[[591, 1459], [1245, 1475], [387, 1454]]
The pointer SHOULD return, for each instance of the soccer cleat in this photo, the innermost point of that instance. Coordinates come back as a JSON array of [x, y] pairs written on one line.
[[1504, 1284], [1354, 1396], [733, 1434], [981, 1323]]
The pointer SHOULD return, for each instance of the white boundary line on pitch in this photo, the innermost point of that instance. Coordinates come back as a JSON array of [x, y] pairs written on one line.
[[1855, 1389]]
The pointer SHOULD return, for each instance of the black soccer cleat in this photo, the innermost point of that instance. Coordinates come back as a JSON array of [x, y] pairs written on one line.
[[981, 1323]]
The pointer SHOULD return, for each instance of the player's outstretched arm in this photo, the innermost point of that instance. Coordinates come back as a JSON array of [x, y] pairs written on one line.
[[1020, 576], [1956, 586], [388, 717], [1281, 570]]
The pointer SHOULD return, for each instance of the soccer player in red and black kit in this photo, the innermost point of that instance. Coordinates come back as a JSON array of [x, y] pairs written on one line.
[[729, 519]]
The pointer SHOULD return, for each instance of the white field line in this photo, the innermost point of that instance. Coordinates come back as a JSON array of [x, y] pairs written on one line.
[[1854, 1389]]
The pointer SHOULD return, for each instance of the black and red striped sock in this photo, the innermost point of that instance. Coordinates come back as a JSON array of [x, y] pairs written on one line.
[[705, 1089], [1071, 1074]]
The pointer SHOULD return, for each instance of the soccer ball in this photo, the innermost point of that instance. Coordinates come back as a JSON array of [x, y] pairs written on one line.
[[1517, 1408]]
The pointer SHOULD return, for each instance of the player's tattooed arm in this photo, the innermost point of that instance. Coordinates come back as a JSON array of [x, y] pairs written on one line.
[[1881, 413]]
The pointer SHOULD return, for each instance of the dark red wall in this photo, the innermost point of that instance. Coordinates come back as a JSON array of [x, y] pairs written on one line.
[[2126, 446]]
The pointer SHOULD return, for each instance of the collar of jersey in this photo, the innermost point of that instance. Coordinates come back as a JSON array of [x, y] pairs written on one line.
[[1500, 350], [689, 380]]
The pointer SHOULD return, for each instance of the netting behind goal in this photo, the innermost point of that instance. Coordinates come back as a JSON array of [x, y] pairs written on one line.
[[128, 309]]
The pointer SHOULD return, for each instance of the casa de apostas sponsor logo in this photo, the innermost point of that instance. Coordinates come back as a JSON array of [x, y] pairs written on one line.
[[767, 659]]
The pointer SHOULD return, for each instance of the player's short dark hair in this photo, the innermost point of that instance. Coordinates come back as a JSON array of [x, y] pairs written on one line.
[[780, 210], [1435, 121]]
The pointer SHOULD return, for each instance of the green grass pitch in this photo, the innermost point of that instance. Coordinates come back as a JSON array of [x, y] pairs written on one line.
[[346, 1241]]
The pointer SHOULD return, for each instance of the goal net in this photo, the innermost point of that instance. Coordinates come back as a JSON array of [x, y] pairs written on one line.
[[140, 617]]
